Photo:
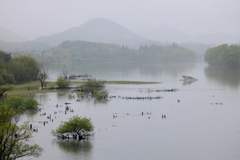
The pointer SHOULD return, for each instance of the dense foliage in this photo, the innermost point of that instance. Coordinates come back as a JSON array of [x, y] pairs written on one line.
[[224, 55], [93, 88], [62, 82], [17, 70], [79, 51], [172, 53], [23, 104], [99, 95], [5, 88], [77, 126], [92, 85], [24, 68], [15, 139]]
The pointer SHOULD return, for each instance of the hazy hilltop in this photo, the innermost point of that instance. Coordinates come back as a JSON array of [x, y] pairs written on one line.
[[165, 33], [95, 30], [217, 39], [9, 36], [22, 46], [106, 31]]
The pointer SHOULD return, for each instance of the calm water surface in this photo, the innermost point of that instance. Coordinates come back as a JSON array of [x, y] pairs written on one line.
[[203, 125]]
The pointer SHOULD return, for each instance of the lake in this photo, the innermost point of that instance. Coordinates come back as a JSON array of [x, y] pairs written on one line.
[[202, 117]]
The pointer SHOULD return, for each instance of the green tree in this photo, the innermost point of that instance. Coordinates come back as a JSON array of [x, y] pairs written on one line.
[[15, 102], [92, 85], [79, 128], [5, 88], [6, 57], [223, 55], [24, 68], [62, 83], [5, 77], [21, 103], [16, 140]]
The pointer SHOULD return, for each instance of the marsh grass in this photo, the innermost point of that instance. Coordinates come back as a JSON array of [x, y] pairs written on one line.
[[34, 86]]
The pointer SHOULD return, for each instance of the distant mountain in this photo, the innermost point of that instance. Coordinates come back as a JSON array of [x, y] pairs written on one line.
[[9, 36], [217, 38], [165, 33], [22, 46], [95, 30]]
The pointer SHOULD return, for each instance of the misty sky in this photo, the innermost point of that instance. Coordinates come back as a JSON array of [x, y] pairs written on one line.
[[33, 18]]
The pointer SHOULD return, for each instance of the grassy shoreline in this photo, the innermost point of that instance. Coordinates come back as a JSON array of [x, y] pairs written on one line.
[[34, 86]]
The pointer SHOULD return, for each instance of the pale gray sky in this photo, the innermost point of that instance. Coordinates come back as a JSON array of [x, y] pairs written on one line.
[[33, 18]]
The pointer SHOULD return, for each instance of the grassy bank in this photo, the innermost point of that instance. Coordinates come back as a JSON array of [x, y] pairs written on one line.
[[34, 86]]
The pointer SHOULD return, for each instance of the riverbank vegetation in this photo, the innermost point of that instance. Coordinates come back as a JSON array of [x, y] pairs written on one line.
[[16, 70], [33, 86], [16, 139], [224, 55]]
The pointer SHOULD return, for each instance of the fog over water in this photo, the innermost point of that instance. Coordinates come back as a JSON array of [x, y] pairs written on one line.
[[36, 18], [191, 120], [203, 124]]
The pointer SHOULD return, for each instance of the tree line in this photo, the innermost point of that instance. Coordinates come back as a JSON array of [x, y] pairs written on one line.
[[224, 55], [17, 70], [79, 51]]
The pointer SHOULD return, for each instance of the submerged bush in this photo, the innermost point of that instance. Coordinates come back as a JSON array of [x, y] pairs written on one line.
[[62, 83], [92, 85], [100, 94], [78, 127], [188, 78]]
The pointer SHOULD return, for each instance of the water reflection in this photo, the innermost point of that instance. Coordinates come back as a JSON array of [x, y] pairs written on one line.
[[117, 71], [165, 69], [62, 95], [31, 112], [100, 101], [82, 147], [224, 76], [42, 98], [194, 115]]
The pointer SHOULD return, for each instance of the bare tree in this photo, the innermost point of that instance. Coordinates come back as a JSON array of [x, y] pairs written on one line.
[[43, 76], [64, 72]]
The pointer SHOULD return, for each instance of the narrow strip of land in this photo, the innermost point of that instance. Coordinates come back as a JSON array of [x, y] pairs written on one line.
[[34, 86]]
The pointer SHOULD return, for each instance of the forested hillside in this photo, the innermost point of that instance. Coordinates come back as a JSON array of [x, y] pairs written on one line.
[[79, 51], [224, 55]]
